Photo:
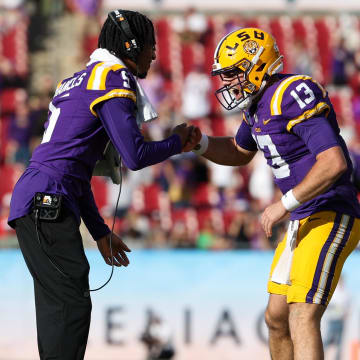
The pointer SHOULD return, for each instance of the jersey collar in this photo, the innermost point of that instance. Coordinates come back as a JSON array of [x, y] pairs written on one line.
[[105, 56]]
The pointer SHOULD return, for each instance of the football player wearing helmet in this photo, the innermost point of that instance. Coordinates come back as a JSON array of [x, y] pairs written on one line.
[[98, 107], [290, 119]]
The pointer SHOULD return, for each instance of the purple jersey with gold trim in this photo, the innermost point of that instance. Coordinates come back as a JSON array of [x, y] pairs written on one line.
[[285, 124], [74, 138], [82, 119]]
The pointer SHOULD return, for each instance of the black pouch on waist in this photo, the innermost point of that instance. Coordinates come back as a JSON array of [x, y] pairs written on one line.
[[48, 205]]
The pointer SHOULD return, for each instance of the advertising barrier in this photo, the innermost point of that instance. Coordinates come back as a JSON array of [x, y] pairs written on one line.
[[211, 304]]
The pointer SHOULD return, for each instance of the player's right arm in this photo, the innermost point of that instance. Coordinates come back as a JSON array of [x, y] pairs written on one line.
[[225, 151], [232, 151]]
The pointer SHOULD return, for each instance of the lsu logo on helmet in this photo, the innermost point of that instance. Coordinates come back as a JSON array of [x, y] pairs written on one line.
[[251, 47], [251, 52]]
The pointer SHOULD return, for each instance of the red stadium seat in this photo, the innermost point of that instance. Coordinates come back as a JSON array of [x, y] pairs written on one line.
[[218, 125], [205, 196], [14, 47], [187, 58], [8, 100], [186, 216], [163, 30], [342, 102], [212, 217], [228, 217], [281, 29], [325, 27], [4, 126], [10, 172]]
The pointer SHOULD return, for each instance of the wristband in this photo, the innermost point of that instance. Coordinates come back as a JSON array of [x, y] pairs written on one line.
[[202, 146], [289, 201]]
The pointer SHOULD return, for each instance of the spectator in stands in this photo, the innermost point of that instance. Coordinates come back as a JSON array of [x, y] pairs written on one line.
[[303, 61], [182, 235], [192, 26], [85, 14], [195, 94], [351, 138], [155, 87], [341, 57], [39, 109], [207, 236], [8, 76], [98, 108], [261, 183], [237, 230], [20, 133]]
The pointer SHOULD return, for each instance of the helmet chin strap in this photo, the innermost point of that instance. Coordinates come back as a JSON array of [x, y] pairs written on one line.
[[247, 102]]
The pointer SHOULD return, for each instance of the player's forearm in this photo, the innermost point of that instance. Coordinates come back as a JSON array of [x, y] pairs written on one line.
[[223, 150], [90, 215], [329, 166], [120, 124]]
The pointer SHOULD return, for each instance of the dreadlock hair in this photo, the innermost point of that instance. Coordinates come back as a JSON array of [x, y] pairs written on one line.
[[113, 39]]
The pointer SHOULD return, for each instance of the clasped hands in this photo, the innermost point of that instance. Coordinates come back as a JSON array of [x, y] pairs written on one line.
[[190, 136]]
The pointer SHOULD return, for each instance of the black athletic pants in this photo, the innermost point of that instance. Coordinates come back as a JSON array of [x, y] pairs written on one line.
[[63, 305]]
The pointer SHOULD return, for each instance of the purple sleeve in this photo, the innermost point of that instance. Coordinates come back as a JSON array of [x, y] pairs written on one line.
[[120, 124], [317, 134], [91, 217], [244, 139]]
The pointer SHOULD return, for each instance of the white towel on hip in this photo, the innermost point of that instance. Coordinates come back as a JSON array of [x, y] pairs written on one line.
[[281, 272]]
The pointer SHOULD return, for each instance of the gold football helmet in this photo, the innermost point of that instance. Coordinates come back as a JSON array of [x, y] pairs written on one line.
[[250, 55]]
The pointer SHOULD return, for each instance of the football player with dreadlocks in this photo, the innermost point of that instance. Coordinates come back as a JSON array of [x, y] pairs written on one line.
[[98, 108], [290, 118]]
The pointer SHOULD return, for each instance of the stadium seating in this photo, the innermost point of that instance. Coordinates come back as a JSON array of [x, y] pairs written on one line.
[[176, 57]]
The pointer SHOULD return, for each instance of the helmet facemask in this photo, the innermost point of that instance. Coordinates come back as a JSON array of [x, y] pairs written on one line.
[[236, 94]]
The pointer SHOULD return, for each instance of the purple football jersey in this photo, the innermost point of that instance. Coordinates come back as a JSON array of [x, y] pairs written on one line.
[[79, 126], [289, 102]]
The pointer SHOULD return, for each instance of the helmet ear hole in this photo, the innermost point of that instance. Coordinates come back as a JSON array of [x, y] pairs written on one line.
[[261, 67]]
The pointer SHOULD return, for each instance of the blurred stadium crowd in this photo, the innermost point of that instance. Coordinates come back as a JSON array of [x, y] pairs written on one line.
[[186, 202]]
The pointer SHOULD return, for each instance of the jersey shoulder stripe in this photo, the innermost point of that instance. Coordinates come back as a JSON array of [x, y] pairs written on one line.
[[97, 78], [113, 94], [317, 109]]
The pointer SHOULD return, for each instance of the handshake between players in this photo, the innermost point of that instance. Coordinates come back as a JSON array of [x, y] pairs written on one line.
[[190, 136]]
